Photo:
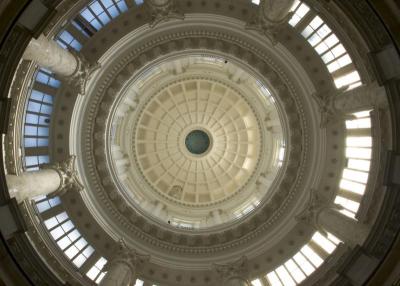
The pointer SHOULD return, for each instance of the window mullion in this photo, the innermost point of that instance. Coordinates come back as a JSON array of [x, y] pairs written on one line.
[[65, 233], [116, 6], [85, 25], [305, 21], [105, 10], [95, 16]]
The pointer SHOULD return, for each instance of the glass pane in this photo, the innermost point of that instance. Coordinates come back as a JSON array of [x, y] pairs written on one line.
[[81, 243], [323, 242], [360, 153], [92, 273], [57, 232], [348, 204], [295, 271], [256, 282], [74, 235], [88, 251], [303, 263], [362, 165], [139, 282], [79, 260], [355, 176], [71, 252], [273, 279], [64, 242], [43, 206], [312, 256], [284, 276], [359, 141], [101, 276], [61, 217], [316, 22], [352, 186]]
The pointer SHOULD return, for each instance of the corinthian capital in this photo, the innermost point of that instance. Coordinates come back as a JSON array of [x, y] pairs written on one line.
[[236, 270], [127, 256], [163, 10], [272, 15], [69, 179], [83, 72], [327, 108], [315, 205]]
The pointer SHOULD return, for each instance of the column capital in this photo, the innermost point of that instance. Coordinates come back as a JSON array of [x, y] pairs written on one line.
[[238, 269], [163, 10], [129, 257], [326, 103], [315, 205], [82, 73], [69, 179], [271, 16]]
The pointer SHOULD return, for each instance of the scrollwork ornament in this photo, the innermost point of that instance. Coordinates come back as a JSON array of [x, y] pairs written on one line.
[[329, 112], [79, 79], [315, 205], [69, 179], [127, 256], [163, 10], [238, 269], [271, 17]]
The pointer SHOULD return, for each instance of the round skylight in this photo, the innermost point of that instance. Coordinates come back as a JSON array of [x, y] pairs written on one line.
[[197, 142]]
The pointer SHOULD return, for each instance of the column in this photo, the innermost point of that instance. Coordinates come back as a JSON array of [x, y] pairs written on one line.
[[345, 228], [74, 68], [361, 98], [325, 217], [276, 11], [235, 273], [161, 10], [59, 178], [48, 54], [121, 269]]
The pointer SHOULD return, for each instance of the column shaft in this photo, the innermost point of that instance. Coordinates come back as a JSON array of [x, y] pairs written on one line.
[[119, 274], [361, 98], [48, 54], [276, 10], [32, 184], [345, 228], [237, 282]]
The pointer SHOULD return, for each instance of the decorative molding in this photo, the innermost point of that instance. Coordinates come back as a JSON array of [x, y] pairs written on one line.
[[272, 16], [314, 207], [163, 10], [83, 73], [238, 269], [69, 178], [127, 256], [329, 112]]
